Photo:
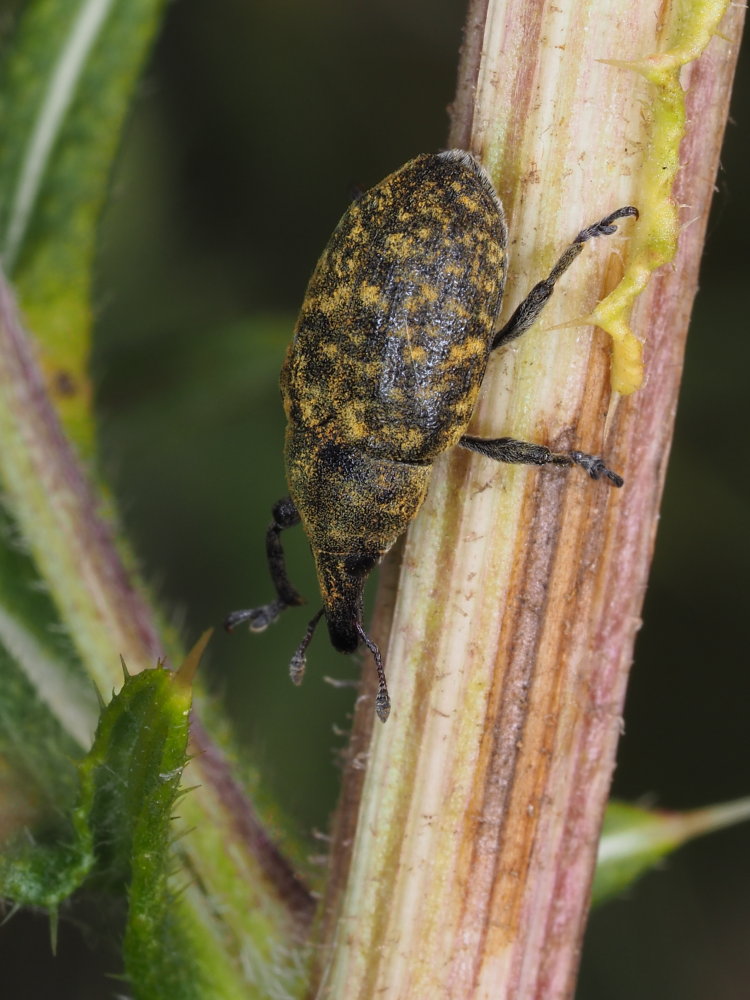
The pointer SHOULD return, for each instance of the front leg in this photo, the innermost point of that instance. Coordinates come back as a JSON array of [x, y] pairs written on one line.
[[525, 453], [528, 311], [285, 515]]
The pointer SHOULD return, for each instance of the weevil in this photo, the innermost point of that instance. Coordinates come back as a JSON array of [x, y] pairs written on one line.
[[383, 373]]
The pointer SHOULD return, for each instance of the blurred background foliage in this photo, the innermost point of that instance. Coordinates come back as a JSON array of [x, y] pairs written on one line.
[[253, 124]]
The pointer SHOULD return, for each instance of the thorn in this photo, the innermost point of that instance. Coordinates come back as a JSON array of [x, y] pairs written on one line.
[[187, 670]]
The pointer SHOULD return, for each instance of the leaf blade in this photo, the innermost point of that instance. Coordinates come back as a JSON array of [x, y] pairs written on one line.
[[66, 88], [635, 839]]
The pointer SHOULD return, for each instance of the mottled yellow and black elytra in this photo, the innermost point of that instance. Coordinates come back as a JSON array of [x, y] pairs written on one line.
[[383, 373]]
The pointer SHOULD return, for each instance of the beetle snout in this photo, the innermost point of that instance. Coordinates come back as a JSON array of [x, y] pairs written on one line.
[[344, 635], [342, 579]]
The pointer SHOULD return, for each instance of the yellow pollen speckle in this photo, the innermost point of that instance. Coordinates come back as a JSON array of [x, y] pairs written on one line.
[[428, 292], [369, 294], [457, 309], [399, 244], [469, 203]]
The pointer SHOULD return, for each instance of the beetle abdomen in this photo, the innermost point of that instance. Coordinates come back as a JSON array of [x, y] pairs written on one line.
[[395, 330]]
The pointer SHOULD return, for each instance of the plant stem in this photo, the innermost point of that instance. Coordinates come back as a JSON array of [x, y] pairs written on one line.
[[463, 856]]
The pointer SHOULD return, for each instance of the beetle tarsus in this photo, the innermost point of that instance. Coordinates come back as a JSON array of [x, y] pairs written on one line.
[[595, 467], [383, 704], [297, 667], [258, 619], [604, 227]]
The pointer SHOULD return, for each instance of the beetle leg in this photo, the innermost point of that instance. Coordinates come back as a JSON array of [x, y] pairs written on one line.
[[285, 515], [382, 699], [528, 311], [524, 453]]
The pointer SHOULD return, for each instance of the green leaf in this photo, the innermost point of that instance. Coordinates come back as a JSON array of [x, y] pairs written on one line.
[[635, 839], [64, 91], [128, 785], [121, 831]]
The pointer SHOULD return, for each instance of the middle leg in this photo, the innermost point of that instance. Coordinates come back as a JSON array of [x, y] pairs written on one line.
[[525, 453]]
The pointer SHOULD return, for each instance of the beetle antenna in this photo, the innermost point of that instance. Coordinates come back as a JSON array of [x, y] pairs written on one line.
[[382, 699], [299, 661]]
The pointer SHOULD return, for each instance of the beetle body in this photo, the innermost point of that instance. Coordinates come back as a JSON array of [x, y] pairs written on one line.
[[383, 373], [387, 360]]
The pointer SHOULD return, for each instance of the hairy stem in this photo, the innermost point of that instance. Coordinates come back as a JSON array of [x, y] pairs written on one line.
[[463, 855]]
